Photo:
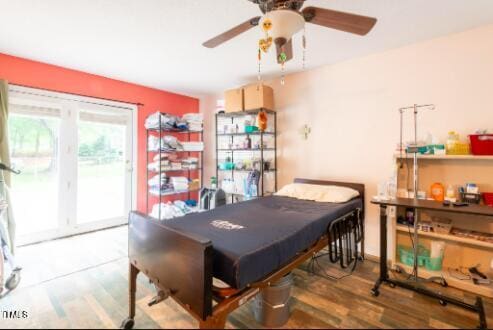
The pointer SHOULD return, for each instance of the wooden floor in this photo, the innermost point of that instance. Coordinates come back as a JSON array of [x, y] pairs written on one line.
[[81, 282]]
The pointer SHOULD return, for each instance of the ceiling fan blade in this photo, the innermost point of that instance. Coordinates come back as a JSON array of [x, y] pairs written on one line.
[[288, 50], [339, 20], [230, 34]]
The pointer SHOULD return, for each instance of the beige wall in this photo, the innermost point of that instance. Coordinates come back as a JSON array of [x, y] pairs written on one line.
[[351, 108]]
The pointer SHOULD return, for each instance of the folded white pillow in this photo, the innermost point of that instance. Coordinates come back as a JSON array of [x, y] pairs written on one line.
[[318, 193]]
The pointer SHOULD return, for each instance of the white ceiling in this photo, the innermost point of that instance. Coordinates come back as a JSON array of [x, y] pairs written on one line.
[[157, 43]]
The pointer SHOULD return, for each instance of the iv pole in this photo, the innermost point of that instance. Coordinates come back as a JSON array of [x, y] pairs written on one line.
[[414, 149]]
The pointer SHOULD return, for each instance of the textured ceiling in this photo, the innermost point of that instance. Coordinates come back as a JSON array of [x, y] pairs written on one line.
[[157, 43]]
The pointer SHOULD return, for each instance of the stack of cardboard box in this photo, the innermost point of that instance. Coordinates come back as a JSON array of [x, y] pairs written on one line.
[[251, 97]]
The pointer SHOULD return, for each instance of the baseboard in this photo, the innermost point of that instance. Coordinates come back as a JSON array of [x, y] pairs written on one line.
[[372, 257]]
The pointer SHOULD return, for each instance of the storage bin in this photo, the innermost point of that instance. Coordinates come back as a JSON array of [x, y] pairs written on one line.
[[234, 100], [442, 226], [406, 255], [470, 198], [434, 263], [488, 199], [226, 166], [251, 129], [258, 96], [458, 148], [481, 144]]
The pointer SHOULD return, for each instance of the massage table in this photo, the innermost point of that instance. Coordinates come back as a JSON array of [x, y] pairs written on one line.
[[247, 246]]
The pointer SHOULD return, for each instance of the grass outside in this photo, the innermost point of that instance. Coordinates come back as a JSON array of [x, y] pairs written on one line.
[[35, 195]]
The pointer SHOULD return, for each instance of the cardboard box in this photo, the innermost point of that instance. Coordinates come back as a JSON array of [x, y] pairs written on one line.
[[234, 100], [259, 96]]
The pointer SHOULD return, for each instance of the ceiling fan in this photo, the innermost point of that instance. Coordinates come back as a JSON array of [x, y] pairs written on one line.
[[286, 18]]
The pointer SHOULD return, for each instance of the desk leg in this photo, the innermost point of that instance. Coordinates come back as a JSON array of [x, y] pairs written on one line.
[[384, 275]]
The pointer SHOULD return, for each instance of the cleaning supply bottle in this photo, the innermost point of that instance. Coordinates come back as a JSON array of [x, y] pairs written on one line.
[[452, 140], [450, 196], [437, 192]]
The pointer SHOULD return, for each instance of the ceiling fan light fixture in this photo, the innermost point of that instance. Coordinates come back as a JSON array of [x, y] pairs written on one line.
[[285, 23]]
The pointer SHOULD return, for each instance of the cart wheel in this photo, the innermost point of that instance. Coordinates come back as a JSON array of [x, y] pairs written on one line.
[[442, 302], [444, 283], [13, 280], [392, 285], [128, 323], [375, 292]]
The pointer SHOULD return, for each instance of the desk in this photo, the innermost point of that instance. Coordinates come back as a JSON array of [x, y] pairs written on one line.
[[416, 204]]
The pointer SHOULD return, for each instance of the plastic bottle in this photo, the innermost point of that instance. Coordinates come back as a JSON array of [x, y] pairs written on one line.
[[437, 192], [450, 192], [452, 140]]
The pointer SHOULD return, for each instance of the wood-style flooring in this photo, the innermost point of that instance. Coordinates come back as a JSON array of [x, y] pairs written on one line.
[[81, 282]]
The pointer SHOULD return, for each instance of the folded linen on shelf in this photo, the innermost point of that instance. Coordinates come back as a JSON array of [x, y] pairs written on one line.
[[158, 180], [167, 143], [176, 166], [180, 183], [154, 166], [190, 163], [170, 210], [168, 122], [193, 146], [195, 121]]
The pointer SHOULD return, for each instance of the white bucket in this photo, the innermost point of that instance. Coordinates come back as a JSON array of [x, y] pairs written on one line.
[[271, 306]]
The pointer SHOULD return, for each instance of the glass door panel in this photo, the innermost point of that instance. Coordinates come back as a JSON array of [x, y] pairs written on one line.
[[34, 148], [102, 168]]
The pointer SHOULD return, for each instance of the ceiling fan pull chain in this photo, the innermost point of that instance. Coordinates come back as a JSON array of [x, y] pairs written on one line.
[[304, 48], [259, 57], [283, 81]]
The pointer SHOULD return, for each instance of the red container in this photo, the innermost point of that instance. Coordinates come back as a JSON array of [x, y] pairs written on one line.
[[488, 199], [481, 144]]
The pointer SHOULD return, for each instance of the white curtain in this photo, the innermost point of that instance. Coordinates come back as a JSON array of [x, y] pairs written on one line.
[[8, 217]]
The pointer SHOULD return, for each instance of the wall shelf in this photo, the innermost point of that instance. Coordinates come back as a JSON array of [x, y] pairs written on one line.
[[455, 171], [192, 173], [447, 237], [268, 152], [444, 157]]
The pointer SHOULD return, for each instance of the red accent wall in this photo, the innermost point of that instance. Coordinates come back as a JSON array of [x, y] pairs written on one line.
[[36, 74]]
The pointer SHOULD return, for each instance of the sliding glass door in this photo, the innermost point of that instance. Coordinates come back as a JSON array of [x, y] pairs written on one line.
[[76, 162]]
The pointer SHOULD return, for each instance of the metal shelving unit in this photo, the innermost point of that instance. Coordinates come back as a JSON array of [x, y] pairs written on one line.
[[161, 132], [232, 152]]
